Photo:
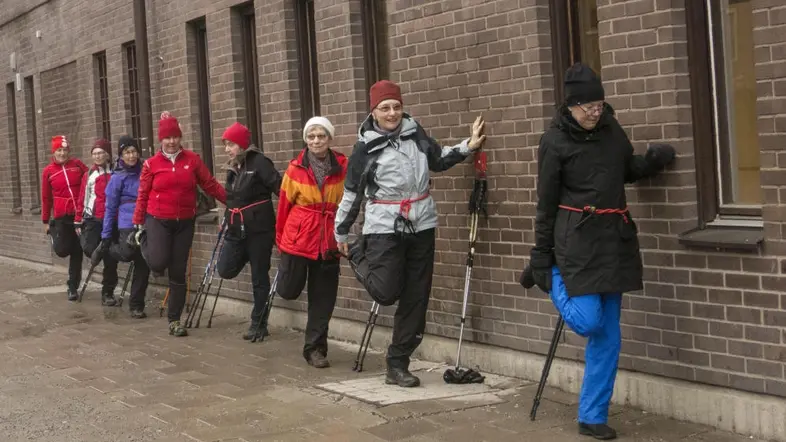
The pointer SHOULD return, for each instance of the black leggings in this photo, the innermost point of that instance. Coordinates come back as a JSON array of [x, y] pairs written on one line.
[[65, 242], [165, 246]]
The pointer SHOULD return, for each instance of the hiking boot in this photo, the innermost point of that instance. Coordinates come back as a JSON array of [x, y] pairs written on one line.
[[357, 261], [138, 314], [98, 253], [261, 333], [175, 329], [318, 360], [72, 295], [401, 377], [598, 431], [108, 299]]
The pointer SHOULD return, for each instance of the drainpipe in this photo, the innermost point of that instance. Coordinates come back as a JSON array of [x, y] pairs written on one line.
[[143, 76]]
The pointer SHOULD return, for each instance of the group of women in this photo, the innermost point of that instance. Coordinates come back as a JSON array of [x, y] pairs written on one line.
[[144, 212]]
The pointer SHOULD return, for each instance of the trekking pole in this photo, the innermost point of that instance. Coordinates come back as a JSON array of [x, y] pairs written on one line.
[[163, 303], [268, 307], [207, 288], [374, 317], [363, 338], [203, 283], [547, 366], [188, 281], [129, 274], [87, 281], [215, 302]]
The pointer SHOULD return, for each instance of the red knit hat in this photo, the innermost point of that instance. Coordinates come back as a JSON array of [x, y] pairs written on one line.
[[238, 134], [59, 141], [104, 145], [168, 127], [384, 90]]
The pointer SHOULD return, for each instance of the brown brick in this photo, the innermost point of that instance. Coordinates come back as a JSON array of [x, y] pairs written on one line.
[[725, 297], [743, 281], [743, 314], [745, 349], [709, 311], [761, 299], [710, 344], [726, 330], [696, 358], [762, 334], [729, 363], [764, 368]]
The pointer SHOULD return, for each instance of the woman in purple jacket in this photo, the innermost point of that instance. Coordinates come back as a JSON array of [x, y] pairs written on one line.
[[120, 203]]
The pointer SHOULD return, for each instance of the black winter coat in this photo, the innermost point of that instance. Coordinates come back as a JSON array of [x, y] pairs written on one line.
[[595, 253], [251, 178]]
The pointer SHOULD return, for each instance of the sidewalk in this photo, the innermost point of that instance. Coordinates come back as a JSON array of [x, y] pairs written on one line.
[[82, 372]]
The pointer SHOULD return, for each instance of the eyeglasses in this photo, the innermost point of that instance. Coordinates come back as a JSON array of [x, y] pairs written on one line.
[[312, 137], [594, 108], [387, 109], [130, 152], [99, 153]]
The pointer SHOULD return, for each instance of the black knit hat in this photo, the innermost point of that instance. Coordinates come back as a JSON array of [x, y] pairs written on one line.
[[582, 85], [123, 142]]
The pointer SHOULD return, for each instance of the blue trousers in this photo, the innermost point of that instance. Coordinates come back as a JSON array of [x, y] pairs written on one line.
[[597, 318]]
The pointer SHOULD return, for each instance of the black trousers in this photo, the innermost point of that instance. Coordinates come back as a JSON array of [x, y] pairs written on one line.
[[322, 278], [123, 252], [400, 268], [254, 249], [89, 240], [65, 242], [165, 246]]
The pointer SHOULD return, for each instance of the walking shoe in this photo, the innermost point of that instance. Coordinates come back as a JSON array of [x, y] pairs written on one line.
[[138, 314], [98, 253], [72, 295], [318, 360], [401, 377], [108, 299], [261, 333], [175, 329], [598, 431], [357, 261]]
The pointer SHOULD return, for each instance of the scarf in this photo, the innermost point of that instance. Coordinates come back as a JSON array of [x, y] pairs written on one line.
[[172, 156], [320, 167]]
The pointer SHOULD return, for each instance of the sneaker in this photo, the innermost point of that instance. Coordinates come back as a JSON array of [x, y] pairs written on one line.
[[318, 360], [72, 295], [175, 329], [401, 377], [598, 431], [138, 314], [108, 300]]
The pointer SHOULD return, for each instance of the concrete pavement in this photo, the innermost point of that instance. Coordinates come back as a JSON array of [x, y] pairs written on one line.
[[82, 372]]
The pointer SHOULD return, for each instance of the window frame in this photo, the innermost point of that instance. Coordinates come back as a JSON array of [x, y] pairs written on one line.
[[710, 158], [32, 131], [248, 34], [308, 72], [376, 61], [13, 141], [565, 43], [102, 83], [198, 28], [133, 94]]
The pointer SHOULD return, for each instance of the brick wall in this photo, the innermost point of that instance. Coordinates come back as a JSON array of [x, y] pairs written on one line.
[[704, 316]]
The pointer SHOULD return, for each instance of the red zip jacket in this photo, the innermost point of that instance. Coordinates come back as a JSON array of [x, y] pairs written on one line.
[[306, 214], [92, 196], [168, 190], [60, 186]]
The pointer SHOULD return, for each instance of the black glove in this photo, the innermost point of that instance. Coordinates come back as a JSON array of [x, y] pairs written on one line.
[[135, 237], [526, 279], [659, 156], [540, 265]]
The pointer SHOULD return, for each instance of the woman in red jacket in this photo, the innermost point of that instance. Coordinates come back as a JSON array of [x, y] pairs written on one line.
[[60, 185], [166, 205], [310, 192]]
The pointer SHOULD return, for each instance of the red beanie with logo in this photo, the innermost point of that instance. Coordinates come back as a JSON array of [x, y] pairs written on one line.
[[384, 90], [238, 134], [104, 145], [168, 126], [59, 141]]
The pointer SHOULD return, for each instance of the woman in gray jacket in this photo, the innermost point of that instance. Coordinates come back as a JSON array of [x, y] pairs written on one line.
[[390, 165]]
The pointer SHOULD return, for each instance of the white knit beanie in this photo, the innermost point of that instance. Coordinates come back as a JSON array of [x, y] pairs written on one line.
[[319, 121]]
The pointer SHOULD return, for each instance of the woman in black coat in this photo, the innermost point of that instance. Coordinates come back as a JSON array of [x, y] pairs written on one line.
[[586, 250]]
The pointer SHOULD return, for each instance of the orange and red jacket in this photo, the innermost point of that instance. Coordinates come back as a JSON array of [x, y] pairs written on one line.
[[60, 186], [306, 213], [167, 190]]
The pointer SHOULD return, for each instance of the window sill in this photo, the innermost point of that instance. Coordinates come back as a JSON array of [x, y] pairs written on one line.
[[16, 210], [35, 210], [724, 237], [210, 217]]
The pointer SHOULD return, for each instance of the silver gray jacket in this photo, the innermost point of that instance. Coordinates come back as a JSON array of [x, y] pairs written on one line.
[[388, 168]]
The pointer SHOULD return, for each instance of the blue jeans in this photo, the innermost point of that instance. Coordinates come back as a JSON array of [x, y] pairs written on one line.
[[597, 318]]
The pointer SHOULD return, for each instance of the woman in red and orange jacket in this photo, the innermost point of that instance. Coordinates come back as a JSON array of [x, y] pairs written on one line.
[[60, 184], [166, 204], [311, 190]]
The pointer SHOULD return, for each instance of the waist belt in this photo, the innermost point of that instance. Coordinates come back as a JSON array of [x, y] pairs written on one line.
[[589, 211], [404, 206], [239, 211]]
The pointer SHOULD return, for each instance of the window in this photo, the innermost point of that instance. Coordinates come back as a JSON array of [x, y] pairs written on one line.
[[103, 94], [574, 38], [248, 29], [133, 94], [13, 142], [375, 45], [32, 137], [307, 57], [723, 93], [198, 29]]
